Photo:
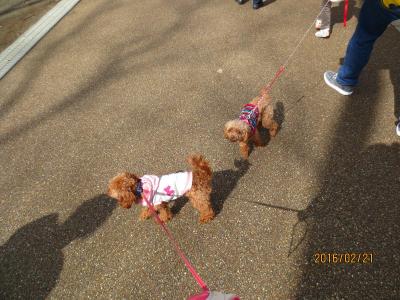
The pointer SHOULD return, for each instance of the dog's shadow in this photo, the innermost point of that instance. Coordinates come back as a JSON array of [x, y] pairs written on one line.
[[32, 259], [279, 117], [223, 183]]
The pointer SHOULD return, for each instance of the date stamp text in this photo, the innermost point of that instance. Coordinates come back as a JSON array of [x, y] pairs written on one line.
[[343, 258]]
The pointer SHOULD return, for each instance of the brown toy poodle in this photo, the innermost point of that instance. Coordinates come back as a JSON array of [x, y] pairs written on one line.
[[259, 112], [128, 189]]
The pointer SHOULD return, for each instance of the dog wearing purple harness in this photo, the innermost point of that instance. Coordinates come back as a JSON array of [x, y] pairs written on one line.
[[245, 129]]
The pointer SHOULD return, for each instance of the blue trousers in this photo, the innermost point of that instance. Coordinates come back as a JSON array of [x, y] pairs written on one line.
[[372, 23]]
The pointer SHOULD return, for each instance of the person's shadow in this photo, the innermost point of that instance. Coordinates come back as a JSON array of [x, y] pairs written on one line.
[[32, 259], [357, 208], [357, 212]]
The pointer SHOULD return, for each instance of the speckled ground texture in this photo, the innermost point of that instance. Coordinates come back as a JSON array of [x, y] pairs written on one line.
[[138, 85]]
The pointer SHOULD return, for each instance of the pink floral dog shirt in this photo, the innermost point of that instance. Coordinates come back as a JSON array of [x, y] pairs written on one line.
[[166, 187]]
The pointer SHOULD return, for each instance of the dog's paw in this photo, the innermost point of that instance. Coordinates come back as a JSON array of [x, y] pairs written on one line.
[[206, 218], [244, 150], [145, 214], [165, 218], [165, 215], [259, 143], [274, 129]]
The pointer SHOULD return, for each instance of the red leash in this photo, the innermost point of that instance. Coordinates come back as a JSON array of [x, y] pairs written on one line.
[[178, 250], [268, 87], [346, 9]]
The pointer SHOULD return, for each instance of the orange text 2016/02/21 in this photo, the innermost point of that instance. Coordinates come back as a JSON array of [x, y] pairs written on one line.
[[343, 258]]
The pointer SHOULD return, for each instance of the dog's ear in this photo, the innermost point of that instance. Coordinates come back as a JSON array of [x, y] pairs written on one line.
[[132, 177], [244, 134], [226, 133], [227, 127], [121, 187], [126, 199], [126, 194]]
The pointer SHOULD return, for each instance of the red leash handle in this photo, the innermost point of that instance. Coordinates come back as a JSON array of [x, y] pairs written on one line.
[[346, 10], [178, 250]]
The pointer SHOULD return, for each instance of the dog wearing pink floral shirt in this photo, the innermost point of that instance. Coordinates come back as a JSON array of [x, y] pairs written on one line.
[[127, 189]]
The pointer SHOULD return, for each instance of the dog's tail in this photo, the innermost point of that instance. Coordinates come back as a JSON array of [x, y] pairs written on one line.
[[200, 165]]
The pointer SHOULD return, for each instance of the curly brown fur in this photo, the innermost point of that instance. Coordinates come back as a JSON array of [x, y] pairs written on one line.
[[122, 188], [237, 131], [199, 194]]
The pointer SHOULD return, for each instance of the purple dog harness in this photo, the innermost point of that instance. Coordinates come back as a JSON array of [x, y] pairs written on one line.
[[249, 114]]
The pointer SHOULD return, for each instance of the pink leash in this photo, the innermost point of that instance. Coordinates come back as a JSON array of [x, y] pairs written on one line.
[[178, 250]]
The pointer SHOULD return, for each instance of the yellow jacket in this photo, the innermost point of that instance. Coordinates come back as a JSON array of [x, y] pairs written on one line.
[[388, 2]]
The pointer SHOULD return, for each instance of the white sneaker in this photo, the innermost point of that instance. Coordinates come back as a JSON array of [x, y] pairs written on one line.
[[323, 33], [398, 128]]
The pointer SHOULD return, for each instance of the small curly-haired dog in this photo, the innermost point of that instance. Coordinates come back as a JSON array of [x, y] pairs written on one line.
[[127, 189], [245, 129]]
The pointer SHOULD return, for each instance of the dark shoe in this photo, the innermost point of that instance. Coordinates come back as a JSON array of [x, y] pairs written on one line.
[[240, 2], [257, 5]]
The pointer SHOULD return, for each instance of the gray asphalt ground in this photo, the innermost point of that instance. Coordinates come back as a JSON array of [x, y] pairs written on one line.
[[138, 85]]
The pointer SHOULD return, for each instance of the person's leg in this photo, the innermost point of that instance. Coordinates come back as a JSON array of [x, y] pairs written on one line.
[[373, 21], [325, 14], [324, 20]]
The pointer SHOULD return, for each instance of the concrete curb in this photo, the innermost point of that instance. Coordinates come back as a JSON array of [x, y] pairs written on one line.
[[14, 53]]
